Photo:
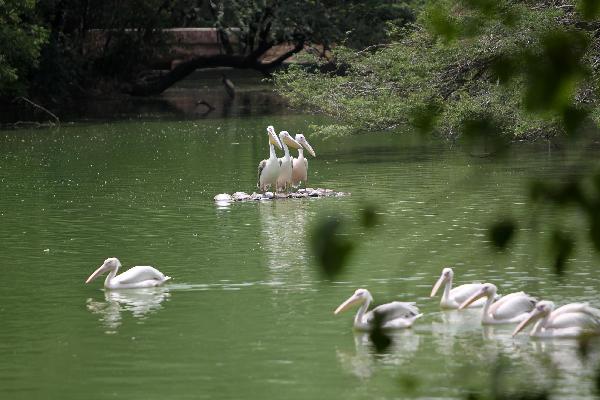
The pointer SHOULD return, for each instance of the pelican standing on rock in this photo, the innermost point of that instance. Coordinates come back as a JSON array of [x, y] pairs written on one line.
[[268, 170], [453, 298], [570, 320], [395, 315], [509, 309], [300, 164], [284, 182], [141, 276]]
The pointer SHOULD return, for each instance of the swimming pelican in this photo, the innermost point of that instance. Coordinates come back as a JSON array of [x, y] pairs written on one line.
[[509, 309], [141, 276], [396, 315], [453, 298], [300, 164], [268, 170], [570, 320], [284, 182]]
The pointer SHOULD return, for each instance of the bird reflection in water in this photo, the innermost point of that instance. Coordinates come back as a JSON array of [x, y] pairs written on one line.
[[364, 361], [139, 302], [283, 223]]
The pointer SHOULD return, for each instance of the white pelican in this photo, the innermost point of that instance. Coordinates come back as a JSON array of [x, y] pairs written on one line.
[[284, 182], [141, 276], [570, 320], [509, 309], [268, 170], [396, 315], [300, 164], [453, 298]]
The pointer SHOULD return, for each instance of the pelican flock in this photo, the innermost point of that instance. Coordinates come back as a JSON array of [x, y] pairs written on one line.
[[141, 276], [281, 174]]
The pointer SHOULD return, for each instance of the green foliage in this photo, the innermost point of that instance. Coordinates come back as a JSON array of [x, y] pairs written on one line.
[[502, 232], [331, 248], [20, 42], [509, 69]]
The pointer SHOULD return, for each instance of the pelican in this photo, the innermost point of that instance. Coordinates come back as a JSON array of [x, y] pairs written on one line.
[[268, 170], [141, 276], [453, 298], [300, 164], [570, 320], [396, 315], [284, 181], [509, 309]]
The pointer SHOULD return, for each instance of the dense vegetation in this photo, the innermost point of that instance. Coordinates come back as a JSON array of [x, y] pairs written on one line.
[[513, 69], [48, 49]]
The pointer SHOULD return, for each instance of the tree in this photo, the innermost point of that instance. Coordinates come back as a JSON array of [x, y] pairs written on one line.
[[20, 42], [517, 69], [258, 26]]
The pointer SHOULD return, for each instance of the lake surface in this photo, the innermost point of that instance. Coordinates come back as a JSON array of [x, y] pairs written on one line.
[[247, 314]]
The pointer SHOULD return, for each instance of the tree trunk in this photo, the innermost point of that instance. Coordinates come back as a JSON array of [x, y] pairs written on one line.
[[181, 71]]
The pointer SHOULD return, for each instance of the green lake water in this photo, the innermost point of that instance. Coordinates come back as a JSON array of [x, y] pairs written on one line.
[[247, 314]]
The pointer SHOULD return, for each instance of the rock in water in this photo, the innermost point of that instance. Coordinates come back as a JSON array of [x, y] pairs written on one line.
[[223, 197]]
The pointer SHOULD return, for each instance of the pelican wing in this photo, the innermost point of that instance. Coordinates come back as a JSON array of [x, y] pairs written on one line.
[[261, 166], [579, 315], [573, 320], [393, 310], [138, 274], [461, 293], [511, 305]]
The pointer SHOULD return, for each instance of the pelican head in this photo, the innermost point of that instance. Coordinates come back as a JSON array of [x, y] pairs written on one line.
[[487, 290], [447, 275], [360, 296], [273, 139], [302, 140], [286, 138], [109, 264], [542, 309]]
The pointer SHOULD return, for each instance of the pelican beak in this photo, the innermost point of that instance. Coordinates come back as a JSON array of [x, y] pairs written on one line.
[[102, 269], [291, 142], [534, 315], [308, 147], [345, 305], [437, 285], [475, 296], [273, 139]]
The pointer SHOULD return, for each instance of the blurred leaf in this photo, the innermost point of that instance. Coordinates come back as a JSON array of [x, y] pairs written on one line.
[[369, 217], [595, 227], [558, 194], [504, 68], [410, 383], [573, 118], [590, 9], [553, 74], [380, 339], [331, 249], [424, 117], [562, 246], [441, 24], [483, 135], [501, 233]]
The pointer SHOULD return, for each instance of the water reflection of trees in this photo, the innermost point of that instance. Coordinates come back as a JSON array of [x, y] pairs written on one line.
[[139, 302]]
